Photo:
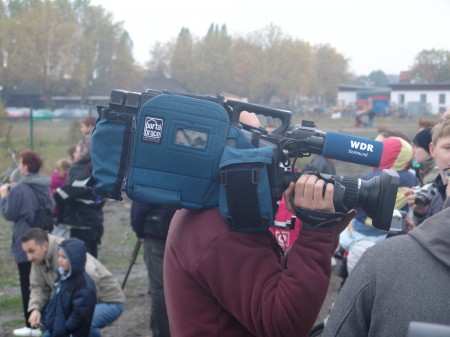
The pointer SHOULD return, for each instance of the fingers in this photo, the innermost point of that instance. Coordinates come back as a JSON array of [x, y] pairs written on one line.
[[409, 223], [314, 193], [35, 319], [287, 197]]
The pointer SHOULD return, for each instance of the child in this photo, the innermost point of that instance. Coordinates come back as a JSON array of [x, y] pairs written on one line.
[[70, 311], [59, 174], [87, 125], [58, 178]]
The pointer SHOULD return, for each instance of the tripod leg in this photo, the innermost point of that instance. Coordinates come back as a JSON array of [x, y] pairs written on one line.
[[137, 246]]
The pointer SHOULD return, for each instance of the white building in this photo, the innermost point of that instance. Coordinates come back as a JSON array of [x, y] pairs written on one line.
[[421, 99], [408, 99], [357, 96]]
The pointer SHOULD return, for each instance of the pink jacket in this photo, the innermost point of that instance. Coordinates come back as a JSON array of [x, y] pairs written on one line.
[[229, 284]]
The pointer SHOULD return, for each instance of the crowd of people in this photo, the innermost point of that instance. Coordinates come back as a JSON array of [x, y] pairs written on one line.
[[208, 280], [55, 295]]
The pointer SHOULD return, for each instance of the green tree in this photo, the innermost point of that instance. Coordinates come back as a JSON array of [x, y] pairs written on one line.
[[159, 64], [212, 61], [63, 47], [39, 45], [378, 78], [283, 66], [182, 62], [331, 69], [244, 70], [432, 66], [104, 54], [3, 39]]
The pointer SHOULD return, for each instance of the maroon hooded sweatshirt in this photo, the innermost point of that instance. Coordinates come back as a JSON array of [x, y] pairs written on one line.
[[229, 284]]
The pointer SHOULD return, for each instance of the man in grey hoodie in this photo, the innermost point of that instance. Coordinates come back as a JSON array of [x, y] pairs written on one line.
[[403, 279]]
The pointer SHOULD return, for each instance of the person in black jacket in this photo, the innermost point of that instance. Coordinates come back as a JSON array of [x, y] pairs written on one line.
[[70, 311], [80, 209], [151, 225]]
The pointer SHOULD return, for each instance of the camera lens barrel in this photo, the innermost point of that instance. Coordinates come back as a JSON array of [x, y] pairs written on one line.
[[350, 197], [422, 200]]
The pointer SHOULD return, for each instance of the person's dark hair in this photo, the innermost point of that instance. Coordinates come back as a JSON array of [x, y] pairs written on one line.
[[88, 120], [36, 234], [71, 151], [32, 160], [426, 123], [386, 133], [423, 139]]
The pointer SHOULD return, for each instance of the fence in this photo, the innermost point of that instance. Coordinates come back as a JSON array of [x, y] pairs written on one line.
[[51, 138], [32, 117]]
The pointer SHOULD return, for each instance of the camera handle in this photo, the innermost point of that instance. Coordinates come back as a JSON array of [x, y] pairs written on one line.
[[283, 115]]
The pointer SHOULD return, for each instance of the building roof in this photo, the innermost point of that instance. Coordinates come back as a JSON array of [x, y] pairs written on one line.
[[405, 76], [356, 87], [421, 87]]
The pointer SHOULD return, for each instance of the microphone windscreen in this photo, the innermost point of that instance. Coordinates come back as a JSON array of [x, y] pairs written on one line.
[[352, 149]]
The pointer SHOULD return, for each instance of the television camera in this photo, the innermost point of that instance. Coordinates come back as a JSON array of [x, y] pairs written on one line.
[[179, 169], [375, 196]]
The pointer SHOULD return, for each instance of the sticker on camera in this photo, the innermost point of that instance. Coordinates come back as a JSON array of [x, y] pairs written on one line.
[[153, 130]]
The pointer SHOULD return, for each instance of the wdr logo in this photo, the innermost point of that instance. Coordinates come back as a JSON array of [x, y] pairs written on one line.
[[153, 129]]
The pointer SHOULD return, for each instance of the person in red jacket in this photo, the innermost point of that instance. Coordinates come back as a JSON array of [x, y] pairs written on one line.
[[225, 283]]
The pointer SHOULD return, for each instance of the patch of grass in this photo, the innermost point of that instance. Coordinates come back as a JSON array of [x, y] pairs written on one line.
[[118, 236], [10, 303], [8, 269]]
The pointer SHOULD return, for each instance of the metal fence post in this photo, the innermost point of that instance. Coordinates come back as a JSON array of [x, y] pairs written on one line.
[[31, 130]]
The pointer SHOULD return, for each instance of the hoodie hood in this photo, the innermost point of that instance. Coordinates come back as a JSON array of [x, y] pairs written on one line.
[[397, 154], [434, 234], [36, 179], [75, 251], [41, 188]]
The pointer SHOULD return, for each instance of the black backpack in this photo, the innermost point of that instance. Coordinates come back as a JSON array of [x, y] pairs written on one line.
[[43, 217]]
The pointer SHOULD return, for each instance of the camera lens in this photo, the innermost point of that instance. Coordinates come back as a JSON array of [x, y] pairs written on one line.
[[422, 200]]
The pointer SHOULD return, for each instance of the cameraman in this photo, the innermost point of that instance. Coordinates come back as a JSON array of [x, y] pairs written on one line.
[[220, 282], [440, 151]]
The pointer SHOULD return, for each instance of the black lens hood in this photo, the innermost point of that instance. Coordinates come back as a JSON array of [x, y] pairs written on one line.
[[384, 207]]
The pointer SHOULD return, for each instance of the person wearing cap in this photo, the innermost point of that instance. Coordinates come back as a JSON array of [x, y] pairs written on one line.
[[426, 169]]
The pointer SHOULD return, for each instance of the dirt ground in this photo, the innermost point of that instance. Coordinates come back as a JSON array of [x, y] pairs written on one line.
[[117, 247]]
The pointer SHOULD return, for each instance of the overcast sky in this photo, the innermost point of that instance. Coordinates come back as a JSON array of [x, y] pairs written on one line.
[[376, 34]]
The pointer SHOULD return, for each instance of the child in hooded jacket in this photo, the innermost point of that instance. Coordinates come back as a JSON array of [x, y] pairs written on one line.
[[70, 311]]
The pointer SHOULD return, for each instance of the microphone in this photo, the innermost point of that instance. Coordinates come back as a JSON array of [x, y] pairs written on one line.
[[357, 150]]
